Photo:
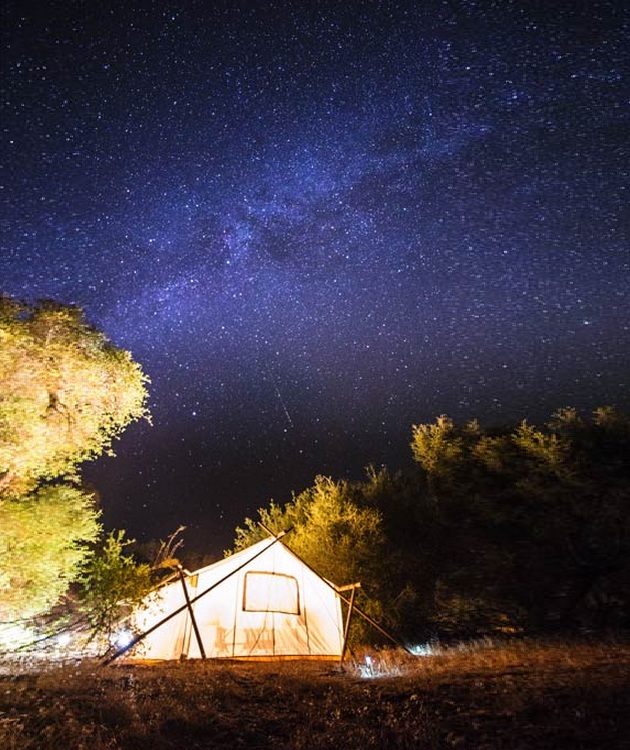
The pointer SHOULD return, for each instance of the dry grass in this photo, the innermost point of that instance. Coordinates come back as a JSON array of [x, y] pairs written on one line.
[[516, 695]]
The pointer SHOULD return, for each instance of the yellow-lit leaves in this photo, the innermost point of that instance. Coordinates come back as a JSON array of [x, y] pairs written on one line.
[[65, 393], [42, 543]]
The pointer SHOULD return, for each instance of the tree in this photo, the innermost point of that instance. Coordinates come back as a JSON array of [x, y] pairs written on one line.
[[533, 521], [333, 531], [360, 531], [436, 447], [65, 393], [43, 540], [329, 528], [112, 584]]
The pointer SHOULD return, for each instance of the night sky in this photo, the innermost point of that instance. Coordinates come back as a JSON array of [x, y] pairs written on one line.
[[315, 224]]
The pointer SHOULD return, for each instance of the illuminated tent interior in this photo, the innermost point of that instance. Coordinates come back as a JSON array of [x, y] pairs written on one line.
[[260, 602]]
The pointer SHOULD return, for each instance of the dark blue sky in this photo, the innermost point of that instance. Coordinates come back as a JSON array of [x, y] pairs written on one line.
[[315, 226]]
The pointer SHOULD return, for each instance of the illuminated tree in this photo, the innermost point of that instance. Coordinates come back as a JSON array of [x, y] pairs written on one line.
[[333, 530], [329, 528], [43, 540], [436, 447], [65, 394], [113, 582]]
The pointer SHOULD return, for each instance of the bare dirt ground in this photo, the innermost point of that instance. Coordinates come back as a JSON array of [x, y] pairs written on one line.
[[521, 695]]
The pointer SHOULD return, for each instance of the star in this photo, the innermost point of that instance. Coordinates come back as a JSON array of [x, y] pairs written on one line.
[[315, 228]]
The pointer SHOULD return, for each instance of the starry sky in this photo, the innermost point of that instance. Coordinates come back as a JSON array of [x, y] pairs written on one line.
[[315, 224]]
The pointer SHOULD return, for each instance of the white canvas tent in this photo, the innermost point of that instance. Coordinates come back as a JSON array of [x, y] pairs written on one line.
[[260, 602]]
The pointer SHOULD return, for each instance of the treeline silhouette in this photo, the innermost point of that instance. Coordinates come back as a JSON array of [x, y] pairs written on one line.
[[518, 529]]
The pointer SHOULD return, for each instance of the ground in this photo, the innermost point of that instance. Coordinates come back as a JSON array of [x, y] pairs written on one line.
[[483, 696]]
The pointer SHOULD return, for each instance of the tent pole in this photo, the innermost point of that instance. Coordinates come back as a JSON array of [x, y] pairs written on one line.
[[191, 613], [141, 636], [346, 631]]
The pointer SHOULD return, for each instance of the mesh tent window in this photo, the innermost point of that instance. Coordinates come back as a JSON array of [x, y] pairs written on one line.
[[271, 592]]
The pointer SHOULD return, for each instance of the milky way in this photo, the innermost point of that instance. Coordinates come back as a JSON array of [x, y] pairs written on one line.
[[315, 226]]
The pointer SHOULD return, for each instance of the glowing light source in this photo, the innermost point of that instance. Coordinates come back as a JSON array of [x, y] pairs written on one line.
[[367, 668], [14, 636], [422, 649], [123, 638]]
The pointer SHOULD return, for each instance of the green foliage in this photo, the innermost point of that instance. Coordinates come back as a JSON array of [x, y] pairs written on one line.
[[330, 528], [334, 530], [515, 529], [112, 583], [42, 545], [369, 531], [66, 393], [532, 522], [436, 447]]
